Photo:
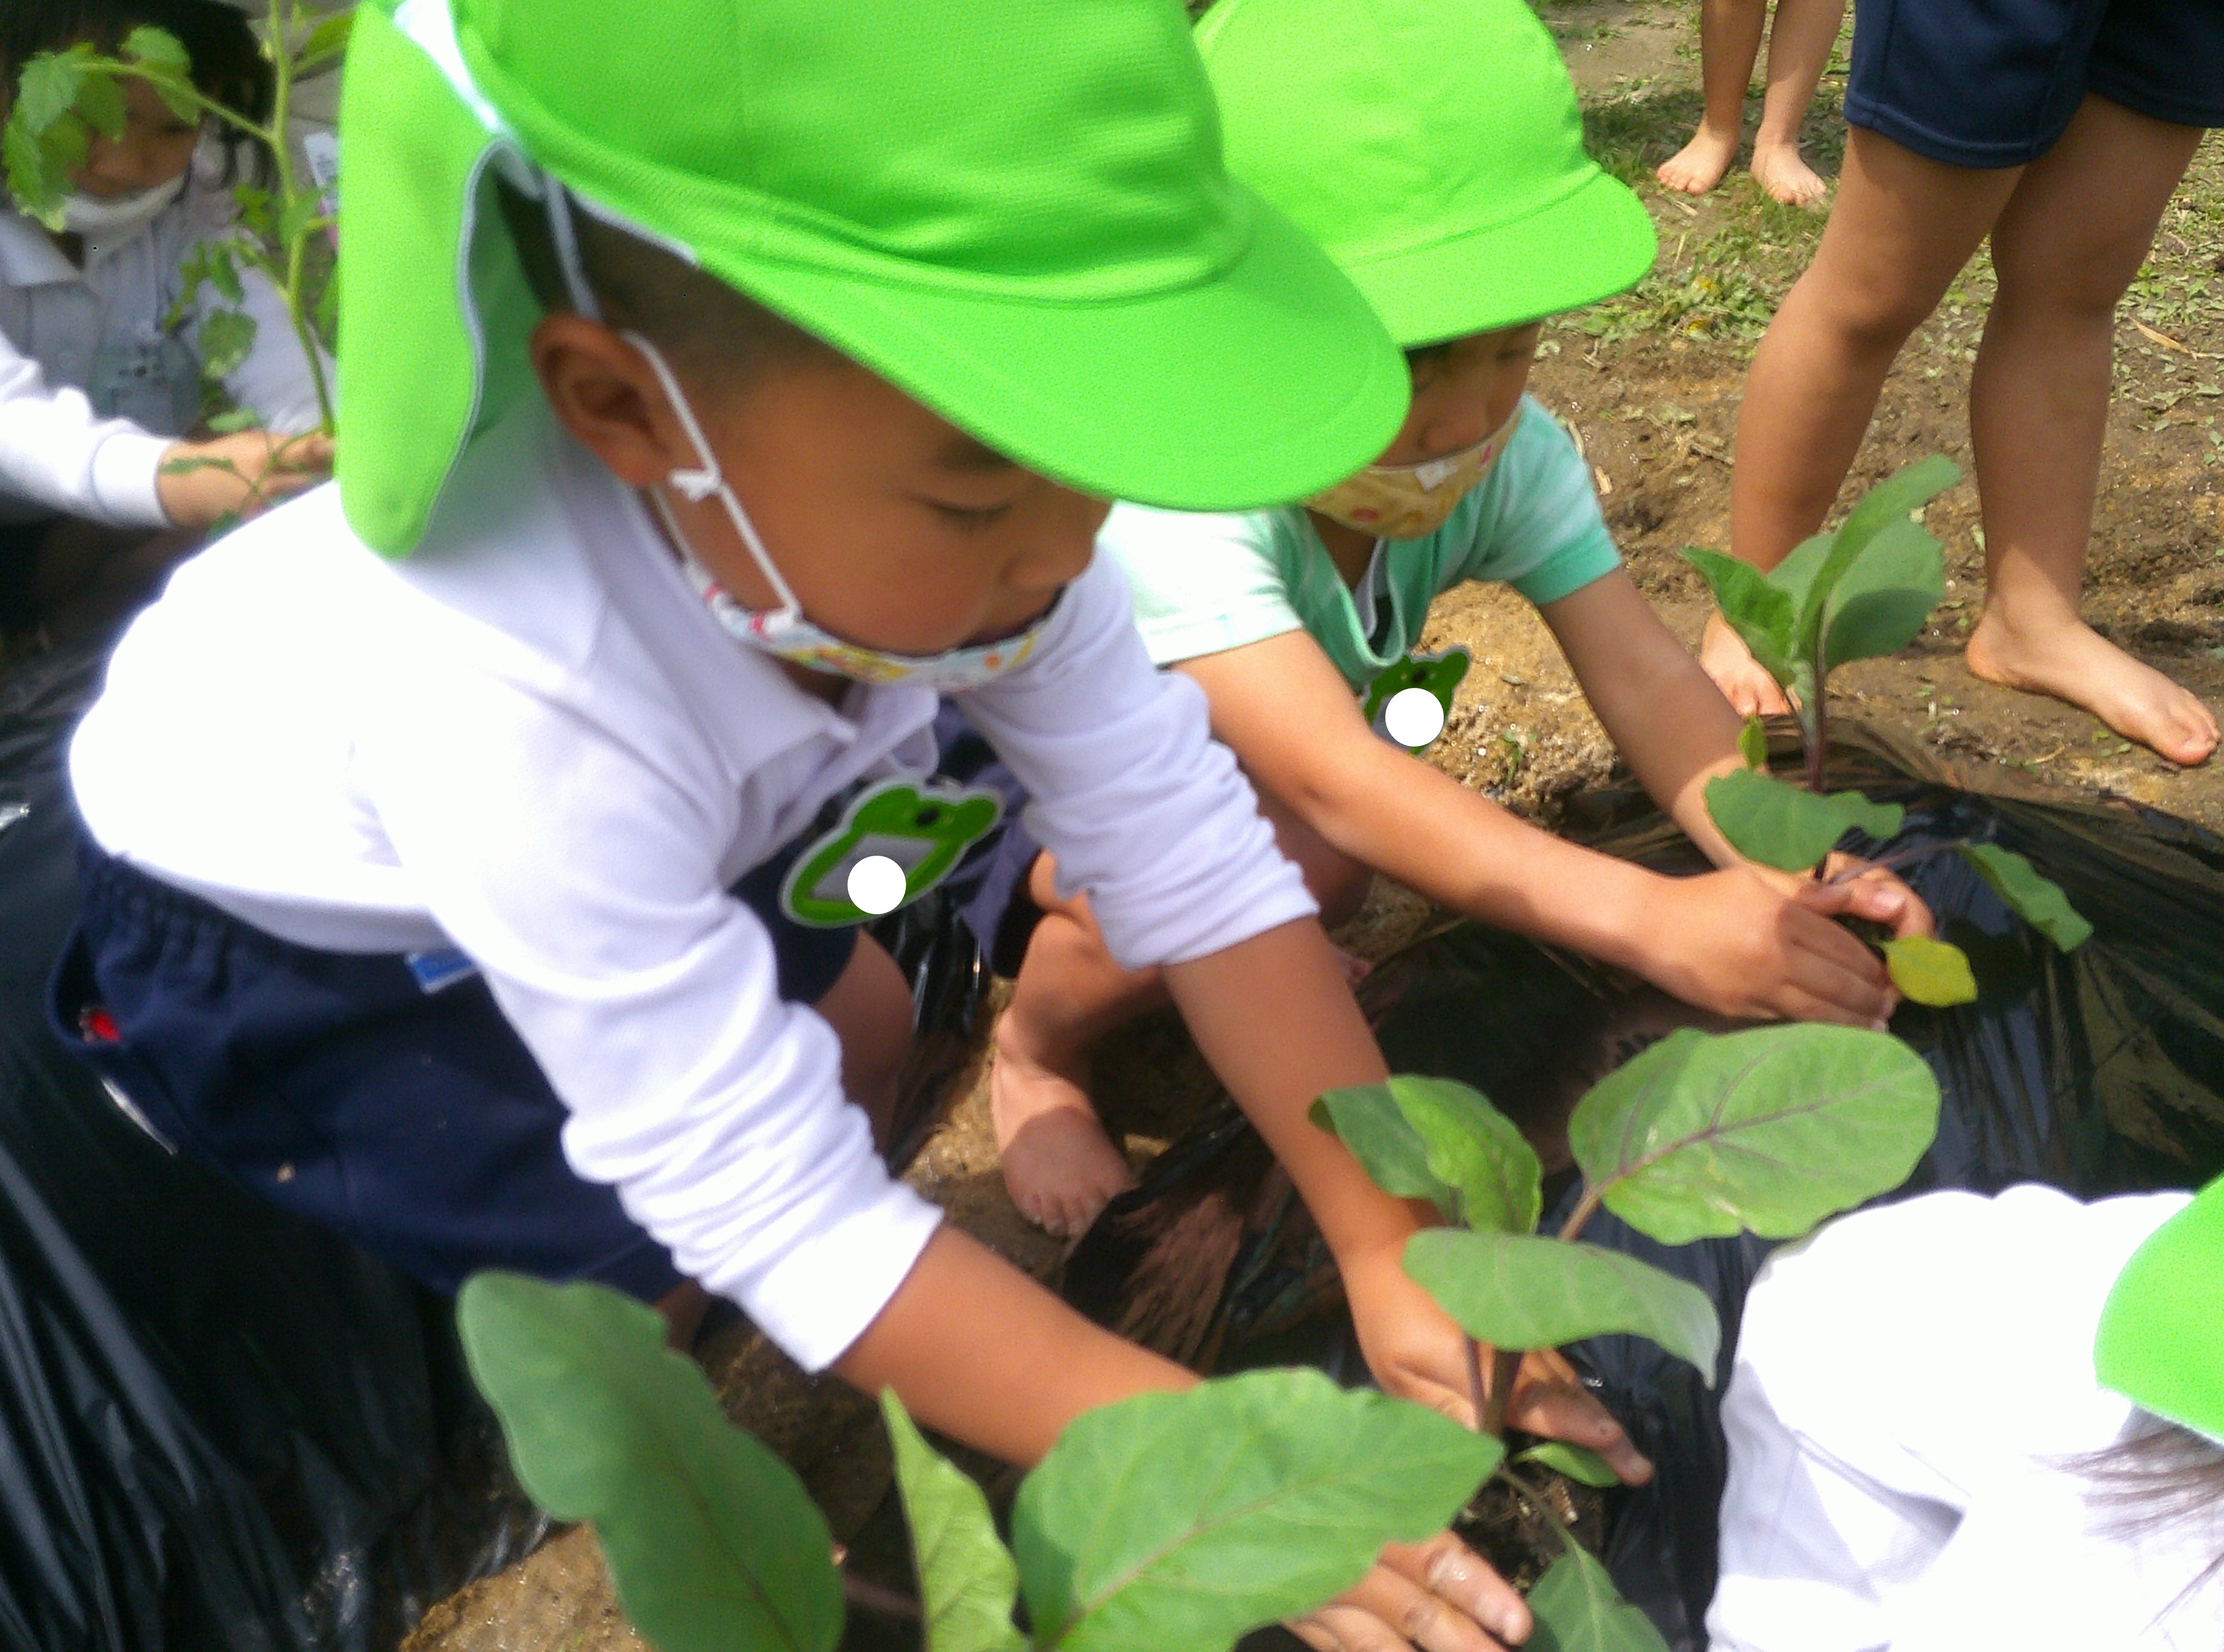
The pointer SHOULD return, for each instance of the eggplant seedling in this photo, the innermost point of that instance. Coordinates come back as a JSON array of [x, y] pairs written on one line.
[[1768, 1130], [1167, 1522], [1860, 592], [63, 98]]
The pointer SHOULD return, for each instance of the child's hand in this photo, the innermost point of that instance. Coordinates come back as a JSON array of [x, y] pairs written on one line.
[[1744, 681], [1416, 1351], [1879, 895], [1742, 943], [1438, 1596], [202, 484]]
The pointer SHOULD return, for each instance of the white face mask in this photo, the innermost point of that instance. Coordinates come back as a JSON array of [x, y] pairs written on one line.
[[110, 222], [784, 631]]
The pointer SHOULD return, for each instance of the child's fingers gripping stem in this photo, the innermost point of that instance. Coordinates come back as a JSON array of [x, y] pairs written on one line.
[[202, 484], [1275, 1018], [980, 1351]]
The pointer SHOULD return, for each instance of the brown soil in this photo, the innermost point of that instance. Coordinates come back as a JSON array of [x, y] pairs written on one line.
[[1654, 402]]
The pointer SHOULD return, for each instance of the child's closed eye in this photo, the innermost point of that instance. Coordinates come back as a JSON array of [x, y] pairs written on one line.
[[969, 518]]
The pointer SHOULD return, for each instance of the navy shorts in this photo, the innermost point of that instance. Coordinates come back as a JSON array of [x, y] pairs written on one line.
[[394, 1103], [989, 886], [1993, 83]]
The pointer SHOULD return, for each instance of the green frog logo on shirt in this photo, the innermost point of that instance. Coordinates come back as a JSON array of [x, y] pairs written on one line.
[[1409, 701], [893, 842]]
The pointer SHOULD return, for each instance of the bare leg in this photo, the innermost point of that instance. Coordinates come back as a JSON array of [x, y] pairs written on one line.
[[1729, 40], [1800, 37], [1900, 230], [869, 1006], [2066, 247], [1060, 1166]]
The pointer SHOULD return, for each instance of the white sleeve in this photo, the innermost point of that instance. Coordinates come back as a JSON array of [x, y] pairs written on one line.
[[274, 381], [56, 451], [1141, 807], [577, 866]]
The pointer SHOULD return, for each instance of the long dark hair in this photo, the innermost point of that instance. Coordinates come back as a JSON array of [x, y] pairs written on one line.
[[2157, 1475], [228, 65]]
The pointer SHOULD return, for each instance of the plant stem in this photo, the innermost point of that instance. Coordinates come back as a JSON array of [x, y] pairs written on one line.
[[880, 1601], [1536, 1499], [1586, 1207], [1477, 1393], [295, 235], [1505, 1370]]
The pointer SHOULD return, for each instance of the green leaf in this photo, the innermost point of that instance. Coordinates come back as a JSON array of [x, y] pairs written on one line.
[[232, 420], [1882, 600], [1474, 1150], [1175, 1522], [158, 49], [224, 273], [967, 1578], [1756, 610], [1368, 1119], [62, 149], [1769, 1130], [2037, 900], [100, 103], [1890, 500], [1931, 972], [49, 88], [226, 337], [1517, 1290], [1578, 1463], [327, 40], [1578, 1610], [1437, 1139], [712, 1542], [1789, 827], [27, 182], [1752, 744], [1795, 573]]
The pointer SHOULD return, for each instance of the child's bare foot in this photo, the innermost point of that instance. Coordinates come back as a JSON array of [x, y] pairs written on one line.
[[1780, 170], [1699, 165], [1060, 1166], [2076, 664]]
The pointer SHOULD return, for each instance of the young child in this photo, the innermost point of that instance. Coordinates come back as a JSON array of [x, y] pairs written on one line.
[[495, 906], [99, 393], [1436, 151], [1799, 39], [1965, 1421], [2057, 133]]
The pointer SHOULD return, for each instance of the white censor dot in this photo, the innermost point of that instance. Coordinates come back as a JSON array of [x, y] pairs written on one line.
[[1414, 717], [877, 885]]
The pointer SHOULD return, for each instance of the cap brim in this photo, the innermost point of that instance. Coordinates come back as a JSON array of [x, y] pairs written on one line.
[[1262, 385], [1590, 243]]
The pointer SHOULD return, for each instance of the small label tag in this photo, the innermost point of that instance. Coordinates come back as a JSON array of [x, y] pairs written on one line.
[[1437, 675], [440, 967], [923, 828]]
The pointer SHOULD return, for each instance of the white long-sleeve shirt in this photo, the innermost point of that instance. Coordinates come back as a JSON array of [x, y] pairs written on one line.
[[93, 389], [1910, 1421], [532, 742]]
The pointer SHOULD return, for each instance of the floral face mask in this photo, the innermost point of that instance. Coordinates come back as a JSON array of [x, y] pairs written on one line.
[[1411, 501]]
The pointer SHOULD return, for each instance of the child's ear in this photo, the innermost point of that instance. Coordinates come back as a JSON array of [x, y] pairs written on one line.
[[607, 398]]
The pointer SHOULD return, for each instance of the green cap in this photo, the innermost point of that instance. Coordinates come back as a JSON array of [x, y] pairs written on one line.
[[1434, 147], [1017, 213], [2161, 1339]]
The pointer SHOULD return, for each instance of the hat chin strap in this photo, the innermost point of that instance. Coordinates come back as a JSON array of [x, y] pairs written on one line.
[[565, 235]]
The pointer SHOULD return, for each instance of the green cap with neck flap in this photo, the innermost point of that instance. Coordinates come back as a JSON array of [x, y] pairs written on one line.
[[1018, 214]]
